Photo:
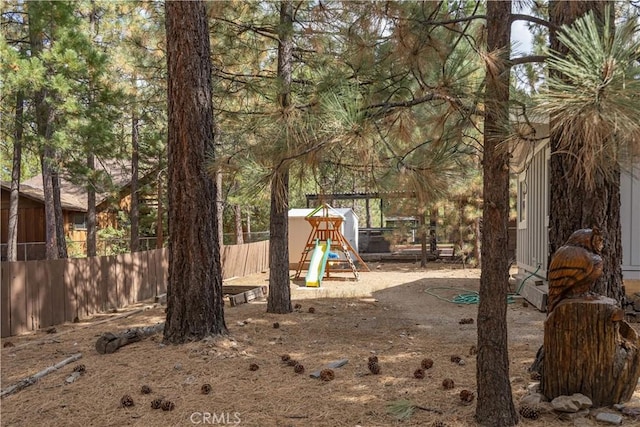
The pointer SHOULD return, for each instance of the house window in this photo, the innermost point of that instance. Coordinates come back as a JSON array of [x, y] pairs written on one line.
[[79, 221], [522, 203]]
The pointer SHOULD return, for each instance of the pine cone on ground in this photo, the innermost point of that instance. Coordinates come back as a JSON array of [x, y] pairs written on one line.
[[145, 389], [276, 325], [254, 367], [418, 373], [126, 401], [80, 368], [426, 363], [529, 412], [298, 369], [312, 310], [285, 357], [156, 403], [438, 424], [373, 359], [456, 359], [205, 389], [327, 375], [466, 396], [448, 384], [374, 367]]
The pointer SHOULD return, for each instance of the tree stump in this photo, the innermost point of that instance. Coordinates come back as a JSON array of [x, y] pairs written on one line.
[[590, 349]]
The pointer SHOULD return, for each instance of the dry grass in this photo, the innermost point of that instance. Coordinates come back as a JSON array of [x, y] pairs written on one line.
[[387, 313]]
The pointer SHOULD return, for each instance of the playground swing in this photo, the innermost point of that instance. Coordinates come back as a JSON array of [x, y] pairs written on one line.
[[324, 241]]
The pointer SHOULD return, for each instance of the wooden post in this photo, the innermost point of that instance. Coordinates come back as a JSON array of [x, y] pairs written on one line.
[[590, 349]]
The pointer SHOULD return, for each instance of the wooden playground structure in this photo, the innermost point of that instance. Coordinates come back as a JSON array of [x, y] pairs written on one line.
[[326, 238]]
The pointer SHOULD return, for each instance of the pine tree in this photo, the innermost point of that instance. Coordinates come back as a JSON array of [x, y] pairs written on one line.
[[593, 102], [194, 292], [495, 403]]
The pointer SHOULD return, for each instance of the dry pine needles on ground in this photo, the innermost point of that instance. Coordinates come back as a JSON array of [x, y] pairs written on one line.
[[387, 314]]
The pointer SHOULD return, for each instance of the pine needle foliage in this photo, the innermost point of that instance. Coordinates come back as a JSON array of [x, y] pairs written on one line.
[[593, 102]]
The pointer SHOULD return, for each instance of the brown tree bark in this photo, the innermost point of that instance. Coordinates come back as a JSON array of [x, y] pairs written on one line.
[[194, 292], [495, 404], [61, 237], [220, 207], [590, 350], [576, 206], [279, 299], [423, 239], [92, 232], [92, 241], [44, 119], [160, 220], [12, 232], [238, 222], [51, 236], [134, 210]]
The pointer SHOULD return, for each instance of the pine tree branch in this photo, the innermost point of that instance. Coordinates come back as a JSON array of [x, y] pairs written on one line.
[[528, 59], [528, 18]]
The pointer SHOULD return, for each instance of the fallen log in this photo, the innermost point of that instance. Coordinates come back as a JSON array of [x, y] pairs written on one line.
[[109, 343], [26, 382], [84, 326]]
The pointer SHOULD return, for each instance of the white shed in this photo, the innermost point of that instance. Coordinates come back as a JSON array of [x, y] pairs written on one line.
[[300, 229]]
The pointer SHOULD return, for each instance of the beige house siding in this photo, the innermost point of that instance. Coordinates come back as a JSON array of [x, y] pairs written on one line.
[[630, 219], [533, 215]]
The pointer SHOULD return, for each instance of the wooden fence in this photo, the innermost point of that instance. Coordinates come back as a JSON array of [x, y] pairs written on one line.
[[39, 294]]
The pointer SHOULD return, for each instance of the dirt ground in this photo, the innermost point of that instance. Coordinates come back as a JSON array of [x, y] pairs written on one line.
[[399, 312]]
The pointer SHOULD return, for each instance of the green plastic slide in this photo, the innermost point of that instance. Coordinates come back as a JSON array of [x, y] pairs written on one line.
[[318, 262]]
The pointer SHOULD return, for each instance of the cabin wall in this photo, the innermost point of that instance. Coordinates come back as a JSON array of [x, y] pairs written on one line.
[[532, 251], [533, 216], [630, 219]]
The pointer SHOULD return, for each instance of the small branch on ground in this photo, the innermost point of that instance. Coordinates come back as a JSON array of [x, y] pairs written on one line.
[[26, 382]]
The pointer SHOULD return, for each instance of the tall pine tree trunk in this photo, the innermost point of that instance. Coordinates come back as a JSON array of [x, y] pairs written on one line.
[[134, 210], [44, 118], [12, 232], [160, 221], [194, 293], [495, 403], [577, 206], [51, 235], [423, 239], [57, 208], [237, 210], [279, 299], [92, 241], [220, 208]]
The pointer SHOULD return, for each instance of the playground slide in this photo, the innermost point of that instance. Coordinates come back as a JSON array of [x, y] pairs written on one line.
[[317, 264]]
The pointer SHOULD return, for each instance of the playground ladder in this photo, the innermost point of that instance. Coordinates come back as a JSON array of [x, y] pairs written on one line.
[[347, 254]]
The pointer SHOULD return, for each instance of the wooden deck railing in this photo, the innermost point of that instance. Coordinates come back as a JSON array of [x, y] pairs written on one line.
[[39, 294]]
